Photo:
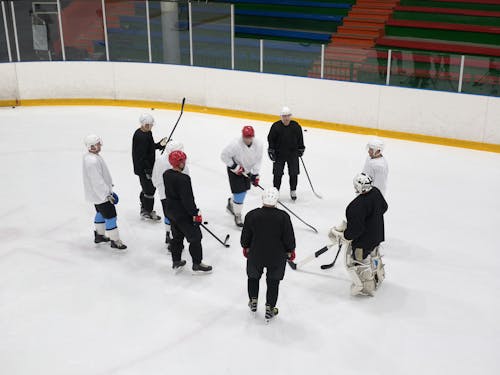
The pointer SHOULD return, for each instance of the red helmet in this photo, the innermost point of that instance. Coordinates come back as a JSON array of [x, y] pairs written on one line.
[[176, 157], [248, 132]]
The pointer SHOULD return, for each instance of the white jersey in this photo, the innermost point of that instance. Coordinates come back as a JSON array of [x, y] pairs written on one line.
[[97, 181], [378, 170], [249, 157], [161, 166]]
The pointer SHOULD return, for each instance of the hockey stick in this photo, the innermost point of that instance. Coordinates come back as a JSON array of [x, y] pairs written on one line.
[[310, 183], [293, 213], [327, 266], [224, 243], [177, 122], [314, 255]]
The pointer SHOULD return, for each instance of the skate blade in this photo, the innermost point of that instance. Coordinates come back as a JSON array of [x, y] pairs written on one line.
[[178, 270], [201, 273]]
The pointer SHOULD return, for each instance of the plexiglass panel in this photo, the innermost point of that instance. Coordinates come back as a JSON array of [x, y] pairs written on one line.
[[126, 24], [211, 24], [37, 25], [83, 30], [481, 75]]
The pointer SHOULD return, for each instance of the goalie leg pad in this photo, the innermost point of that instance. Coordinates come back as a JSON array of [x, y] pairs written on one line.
[[378, 267], [361, 274]]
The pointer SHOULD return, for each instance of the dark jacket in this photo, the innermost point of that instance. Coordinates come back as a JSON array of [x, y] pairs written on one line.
[[179, 195], [268, 233], [365, 220], [286, 141], [143, 152]]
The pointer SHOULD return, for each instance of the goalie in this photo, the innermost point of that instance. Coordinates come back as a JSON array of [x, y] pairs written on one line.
[[361, 236]]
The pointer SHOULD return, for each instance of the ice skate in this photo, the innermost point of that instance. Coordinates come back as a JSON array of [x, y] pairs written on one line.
[[271, 312], [118, 244], [98, 238], [201, 269], [150, 216], [178, 265], [238, 221], [293, 195], [252, 304], [168, 239]]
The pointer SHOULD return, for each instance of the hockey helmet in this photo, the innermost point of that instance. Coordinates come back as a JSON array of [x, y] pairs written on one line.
[[285, 111], [146, 119], [92, 140], [175, 158], [376, 144], [248, 132], [270, 196]]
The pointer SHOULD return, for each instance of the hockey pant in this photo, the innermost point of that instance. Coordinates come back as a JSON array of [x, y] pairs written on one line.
[[183, 227], [105, 221], [293, 171], [366, 273], [274, 274]]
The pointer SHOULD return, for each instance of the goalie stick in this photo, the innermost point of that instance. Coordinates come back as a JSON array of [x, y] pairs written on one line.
[[314, 255]]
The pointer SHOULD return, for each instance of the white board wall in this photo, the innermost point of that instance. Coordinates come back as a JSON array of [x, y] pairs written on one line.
[[434, 113]]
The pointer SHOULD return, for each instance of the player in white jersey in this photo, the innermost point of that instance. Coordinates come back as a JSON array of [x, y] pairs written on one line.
[[376, 165], [98, 187], [160, 167], [242, 157]]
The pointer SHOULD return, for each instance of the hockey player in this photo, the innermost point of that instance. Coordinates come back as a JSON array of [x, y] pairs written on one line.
[[242, 157], [185, 218], [98, 187], [286, 145], [376, 165], [361, 236], [143, 156], [268, 241], [161, 166]]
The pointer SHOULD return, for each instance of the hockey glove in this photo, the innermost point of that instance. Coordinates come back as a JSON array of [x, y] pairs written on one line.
[[163, 142], [301, 151], [255, 179], [272, 154], [291, 255], [341, 227], [148, 173], [113, 198], [245, 252], [237, 169], [197, 220]]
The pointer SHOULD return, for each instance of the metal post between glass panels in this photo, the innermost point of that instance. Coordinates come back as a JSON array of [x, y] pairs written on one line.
[[322, 61], [6, 31], [190, 15], [261, 49], [149, 32], [15, 30], [232, 36], [389, 60], [61, 30], [461, 77], [105, 28]]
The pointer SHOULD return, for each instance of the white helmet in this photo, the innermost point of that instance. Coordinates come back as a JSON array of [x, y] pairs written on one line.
[[285, 111], [173, 146], [146, 118], [376, 144], [92, 140], [270, 196], [362, 183]]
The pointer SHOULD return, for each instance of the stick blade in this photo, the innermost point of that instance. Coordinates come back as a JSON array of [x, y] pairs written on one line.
[[326, 266], [292, 265]]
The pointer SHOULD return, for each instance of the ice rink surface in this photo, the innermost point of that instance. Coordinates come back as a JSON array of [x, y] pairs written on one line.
[[68, 306]]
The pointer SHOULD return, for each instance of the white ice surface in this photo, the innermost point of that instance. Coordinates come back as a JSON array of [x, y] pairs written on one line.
[[68, 306]]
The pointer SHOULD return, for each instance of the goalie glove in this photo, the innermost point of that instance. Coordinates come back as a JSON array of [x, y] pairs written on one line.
[[336, 236]]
